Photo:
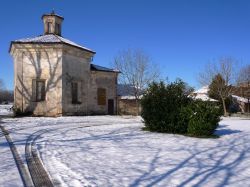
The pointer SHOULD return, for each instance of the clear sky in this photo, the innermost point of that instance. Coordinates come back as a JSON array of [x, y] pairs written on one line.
[[180, 35]]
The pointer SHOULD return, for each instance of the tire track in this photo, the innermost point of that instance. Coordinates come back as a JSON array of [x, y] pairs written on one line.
[[39, 175], [36, 175], [37, 171]]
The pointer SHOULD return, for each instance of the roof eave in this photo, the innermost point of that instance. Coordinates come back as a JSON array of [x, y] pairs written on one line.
[[93, 52], [10, 46], [52, 15], [105, 71], [17, 42]]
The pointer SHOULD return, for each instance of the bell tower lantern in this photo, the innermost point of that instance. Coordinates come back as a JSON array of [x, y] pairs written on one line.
[[52, 23]]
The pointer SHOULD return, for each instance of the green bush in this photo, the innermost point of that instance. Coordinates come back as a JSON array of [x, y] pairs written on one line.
[[162, 105], [18, 112], [203, 118], [167, 108]]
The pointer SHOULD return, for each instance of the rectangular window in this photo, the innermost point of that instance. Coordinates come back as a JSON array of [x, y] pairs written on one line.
[[76, 92], [58, 29], [38, 89], [101, 96], [49, 27]]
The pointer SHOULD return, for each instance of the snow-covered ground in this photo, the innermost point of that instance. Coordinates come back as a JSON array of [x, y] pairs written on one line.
[[6, 109], [9, 175], [114, 151]]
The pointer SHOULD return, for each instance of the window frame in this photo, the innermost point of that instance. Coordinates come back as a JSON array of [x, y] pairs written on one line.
[[58, 30], [101, 96], [75, 92], [37, 96], [49, 27]]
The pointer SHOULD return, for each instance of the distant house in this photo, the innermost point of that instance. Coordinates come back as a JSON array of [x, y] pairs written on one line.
[[202, 94], [242, 103], [241, 95], [55, 76]]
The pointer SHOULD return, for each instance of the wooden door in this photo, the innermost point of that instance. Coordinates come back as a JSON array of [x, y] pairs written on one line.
[[111, 106]]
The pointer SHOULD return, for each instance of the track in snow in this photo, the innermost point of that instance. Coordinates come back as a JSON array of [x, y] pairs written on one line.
[[37, 171]]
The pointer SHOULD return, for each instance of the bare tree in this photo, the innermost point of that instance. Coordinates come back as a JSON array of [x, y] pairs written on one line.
[[222, 86], [243, 81], [244, 75], [1, 90], [137, 71], [1, 85], [6, 96]]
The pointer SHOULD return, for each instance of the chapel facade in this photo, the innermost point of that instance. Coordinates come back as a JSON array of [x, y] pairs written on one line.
[[54, 76]]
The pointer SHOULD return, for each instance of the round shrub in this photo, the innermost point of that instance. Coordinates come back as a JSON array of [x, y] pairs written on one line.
[[162, 105], [203, 118]]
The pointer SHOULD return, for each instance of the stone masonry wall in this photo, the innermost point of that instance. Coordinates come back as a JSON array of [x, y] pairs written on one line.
[[105, 80], [59, 65], [37, 62], [76, 68]]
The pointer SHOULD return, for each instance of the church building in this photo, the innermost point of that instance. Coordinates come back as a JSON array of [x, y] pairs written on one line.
[[55, 76]]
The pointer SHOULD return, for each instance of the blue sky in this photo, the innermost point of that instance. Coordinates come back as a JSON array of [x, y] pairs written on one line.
[[181, 36]]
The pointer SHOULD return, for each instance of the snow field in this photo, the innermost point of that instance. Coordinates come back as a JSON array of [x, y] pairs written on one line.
[[114, 151]]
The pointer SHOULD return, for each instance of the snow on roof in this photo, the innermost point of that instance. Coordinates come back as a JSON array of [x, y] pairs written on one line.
[[53, 14], [94, 67], [202, 94], [51, 38], [202, 90], [241, 99], [129, 97], [204, 97]]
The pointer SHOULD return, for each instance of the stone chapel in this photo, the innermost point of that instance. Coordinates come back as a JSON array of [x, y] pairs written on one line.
[[55, 76]]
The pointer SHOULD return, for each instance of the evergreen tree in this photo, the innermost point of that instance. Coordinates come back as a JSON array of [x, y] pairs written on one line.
[[219, 90]]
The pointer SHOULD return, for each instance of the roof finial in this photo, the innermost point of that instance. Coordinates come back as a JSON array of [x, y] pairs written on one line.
[[53, 11]]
